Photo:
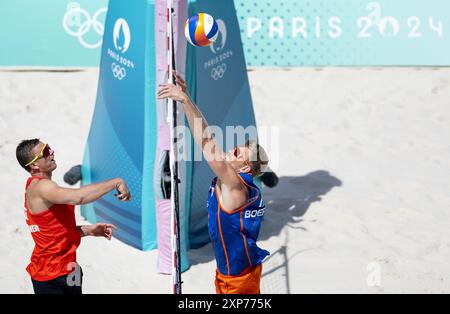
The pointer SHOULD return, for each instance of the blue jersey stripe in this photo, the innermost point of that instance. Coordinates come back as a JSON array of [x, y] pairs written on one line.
[[221, 235]]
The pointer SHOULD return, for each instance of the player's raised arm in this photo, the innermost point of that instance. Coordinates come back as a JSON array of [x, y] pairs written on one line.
[[202, 134]]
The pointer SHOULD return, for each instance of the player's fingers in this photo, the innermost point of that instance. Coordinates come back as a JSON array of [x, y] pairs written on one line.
[[121, 196], [111, 226], [163, 89], [164, 95], [180, 80]]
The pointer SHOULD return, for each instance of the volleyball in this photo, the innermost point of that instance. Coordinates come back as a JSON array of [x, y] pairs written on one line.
[[201, 30]]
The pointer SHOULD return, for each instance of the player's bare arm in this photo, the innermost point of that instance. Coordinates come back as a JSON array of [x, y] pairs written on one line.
[[234, 193], [44, 193], [97, 230]]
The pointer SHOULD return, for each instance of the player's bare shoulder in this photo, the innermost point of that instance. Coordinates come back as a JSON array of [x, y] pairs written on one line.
[[37, 188], [231, 197]]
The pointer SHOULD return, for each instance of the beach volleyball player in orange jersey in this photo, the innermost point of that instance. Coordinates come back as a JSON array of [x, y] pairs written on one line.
[[235, 205]]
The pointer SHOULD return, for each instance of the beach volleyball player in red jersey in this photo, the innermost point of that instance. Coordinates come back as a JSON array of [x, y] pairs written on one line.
[[51, 219]]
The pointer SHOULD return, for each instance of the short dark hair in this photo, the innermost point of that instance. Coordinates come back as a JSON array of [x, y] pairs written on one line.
[[24, 152]]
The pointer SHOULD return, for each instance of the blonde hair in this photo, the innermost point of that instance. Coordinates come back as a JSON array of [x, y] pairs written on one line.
[[258, 159]]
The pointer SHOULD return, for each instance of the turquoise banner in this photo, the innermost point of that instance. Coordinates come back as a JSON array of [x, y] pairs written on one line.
[[274, 32], [223, 95], [51, 33], [125, 110], [345, 32]]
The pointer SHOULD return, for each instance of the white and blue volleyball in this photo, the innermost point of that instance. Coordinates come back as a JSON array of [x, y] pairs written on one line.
[[201, 30]]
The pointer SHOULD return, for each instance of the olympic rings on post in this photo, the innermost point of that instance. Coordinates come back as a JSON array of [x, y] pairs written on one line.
[[119, 72], [219, 71]]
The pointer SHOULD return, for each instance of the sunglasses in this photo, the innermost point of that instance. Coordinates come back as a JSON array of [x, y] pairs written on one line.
[[236, 152], [45, 152]]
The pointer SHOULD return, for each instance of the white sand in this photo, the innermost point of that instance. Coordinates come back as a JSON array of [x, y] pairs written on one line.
[[363, 196]]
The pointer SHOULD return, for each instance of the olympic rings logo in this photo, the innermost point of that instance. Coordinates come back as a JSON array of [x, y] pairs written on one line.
[[73, 18], [119, 72], [218, 72]]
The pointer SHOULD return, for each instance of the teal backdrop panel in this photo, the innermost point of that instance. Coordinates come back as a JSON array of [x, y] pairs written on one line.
[[51, 33], [123, 134], [222, 93], [67, 33], [345, 32]]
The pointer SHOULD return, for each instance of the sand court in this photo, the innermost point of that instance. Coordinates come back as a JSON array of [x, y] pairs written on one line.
[[362, 205]]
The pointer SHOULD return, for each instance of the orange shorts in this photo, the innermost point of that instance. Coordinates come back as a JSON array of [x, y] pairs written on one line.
[[245, 283]]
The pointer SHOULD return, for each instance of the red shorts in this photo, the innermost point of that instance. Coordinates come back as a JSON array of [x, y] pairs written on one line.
[[245, 283]]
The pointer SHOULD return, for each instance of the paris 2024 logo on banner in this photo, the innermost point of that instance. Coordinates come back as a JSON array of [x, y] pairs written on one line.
[[122, 39], [217, 64]]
